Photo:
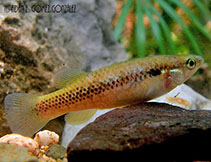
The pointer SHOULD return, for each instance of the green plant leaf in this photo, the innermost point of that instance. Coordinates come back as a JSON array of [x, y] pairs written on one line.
[[140, 30], [203, 9], [165, 28], [156, 31], [121, 20], [193, 18], [168, 9]]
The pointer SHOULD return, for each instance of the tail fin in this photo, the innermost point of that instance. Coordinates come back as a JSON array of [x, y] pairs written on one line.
[[21, 115]]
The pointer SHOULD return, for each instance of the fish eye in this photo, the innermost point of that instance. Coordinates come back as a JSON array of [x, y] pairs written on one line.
[[190, 63]]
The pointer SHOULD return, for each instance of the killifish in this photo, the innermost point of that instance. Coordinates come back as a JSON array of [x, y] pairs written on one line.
[[81, 93]]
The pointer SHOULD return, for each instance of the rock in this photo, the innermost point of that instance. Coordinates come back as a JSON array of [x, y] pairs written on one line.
[[10, 152], [19, 140], [33, 45], [147, 131], [46, 138], [56, 151], [56, 125]]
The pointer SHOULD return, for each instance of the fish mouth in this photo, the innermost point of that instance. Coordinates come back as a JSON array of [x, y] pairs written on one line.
[[201, 59]]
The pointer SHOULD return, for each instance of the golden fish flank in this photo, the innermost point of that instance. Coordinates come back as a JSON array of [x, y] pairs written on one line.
[[83, 93]]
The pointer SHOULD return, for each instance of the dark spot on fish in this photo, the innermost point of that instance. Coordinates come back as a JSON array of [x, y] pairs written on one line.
[[153, 72], [132, 76], [145, 75]]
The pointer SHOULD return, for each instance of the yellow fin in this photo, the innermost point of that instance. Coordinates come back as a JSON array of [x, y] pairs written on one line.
[[79, 117], [21, 115], [67, 76]]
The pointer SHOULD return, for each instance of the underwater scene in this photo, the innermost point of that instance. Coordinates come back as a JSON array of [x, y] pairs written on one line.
[[121, 79]]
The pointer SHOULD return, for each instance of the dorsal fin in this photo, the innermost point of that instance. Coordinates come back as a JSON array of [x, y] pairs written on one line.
[[79, 117], [67, 76]]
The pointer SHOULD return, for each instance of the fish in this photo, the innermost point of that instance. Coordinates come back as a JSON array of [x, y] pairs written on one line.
[[81, 94]]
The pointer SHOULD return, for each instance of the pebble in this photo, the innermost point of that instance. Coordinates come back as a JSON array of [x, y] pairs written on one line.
[[19, 140], [11, 153], [46, 137], [44, 146]]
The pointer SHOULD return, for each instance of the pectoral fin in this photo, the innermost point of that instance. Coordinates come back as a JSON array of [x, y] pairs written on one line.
[[67, 76], [79, 117], [177, 75]]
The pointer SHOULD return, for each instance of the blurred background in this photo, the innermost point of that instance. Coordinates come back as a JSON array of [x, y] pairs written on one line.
[[164, 27], [170, 27]]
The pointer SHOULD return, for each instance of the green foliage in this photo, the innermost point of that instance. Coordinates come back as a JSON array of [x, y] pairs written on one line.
[[140, 30], [161, 39], [122, 18]]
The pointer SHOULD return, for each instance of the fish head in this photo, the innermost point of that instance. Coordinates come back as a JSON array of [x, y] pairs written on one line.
[[187, 65]]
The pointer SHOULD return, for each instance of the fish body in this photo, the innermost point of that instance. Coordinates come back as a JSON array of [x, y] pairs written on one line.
[[117, 85]]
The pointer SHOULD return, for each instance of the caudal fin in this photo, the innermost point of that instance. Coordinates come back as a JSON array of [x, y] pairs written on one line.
[[21, 115]]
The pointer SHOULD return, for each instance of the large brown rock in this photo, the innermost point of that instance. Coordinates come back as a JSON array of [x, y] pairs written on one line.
[[150, 131]]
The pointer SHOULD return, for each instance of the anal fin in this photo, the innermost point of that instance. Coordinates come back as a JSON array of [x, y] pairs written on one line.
[[79, 117]]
